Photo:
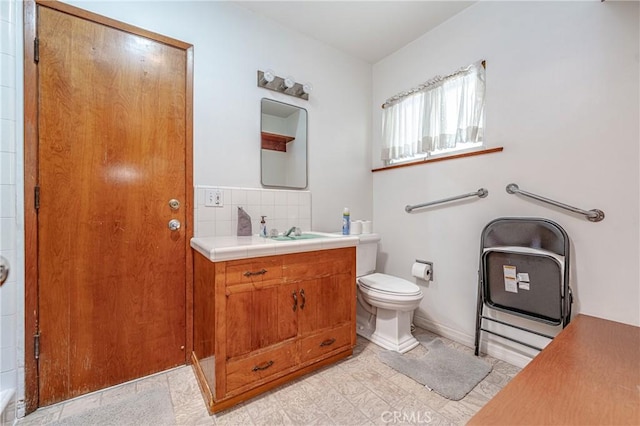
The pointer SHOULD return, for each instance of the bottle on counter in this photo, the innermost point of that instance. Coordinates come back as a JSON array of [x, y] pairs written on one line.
[[263, 227], [346, 221]]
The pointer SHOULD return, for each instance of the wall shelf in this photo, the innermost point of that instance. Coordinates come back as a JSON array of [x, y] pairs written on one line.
[[275, 142]]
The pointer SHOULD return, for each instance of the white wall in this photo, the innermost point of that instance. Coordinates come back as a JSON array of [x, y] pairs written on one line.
[[563, 101], [276, 173], [297, 152], [562, 83], [230, 45]]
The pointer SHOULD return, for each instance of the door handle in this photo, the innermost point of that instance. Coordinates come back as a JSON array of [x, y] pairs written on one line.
[[295, 301], [174, 204], [174, 224], [4, 270]]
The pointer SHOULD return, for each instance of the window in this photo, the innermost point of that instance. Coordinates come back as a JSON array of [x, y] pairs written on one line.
[[442, 116]]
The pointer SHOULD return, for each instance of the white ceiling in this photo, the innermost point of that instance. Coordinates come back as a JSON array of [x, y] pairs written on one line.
[[369, 30]]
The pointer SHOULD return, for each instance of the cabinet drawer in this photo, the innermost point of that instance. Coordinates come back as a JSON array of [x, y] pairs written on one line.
[[251, 370], [302, 266], [325, 342], [254, 270]]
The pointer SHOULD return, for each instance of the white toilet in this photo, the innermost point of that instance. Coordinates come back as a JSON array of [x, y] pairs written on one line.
[[385, 303]]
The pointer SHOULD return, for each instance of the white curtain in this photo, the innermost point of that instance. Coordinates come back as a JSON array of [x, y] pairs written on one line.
[[443, 113]]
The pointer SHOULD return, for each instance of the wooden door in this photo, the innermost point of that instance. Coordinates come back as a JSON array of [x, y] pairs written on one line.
[[113, 136]]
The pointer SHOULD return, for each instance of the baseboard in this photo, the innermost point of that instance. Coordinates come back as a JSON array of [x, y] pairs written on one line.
[[443, 330], [492, 349], [6, 400]]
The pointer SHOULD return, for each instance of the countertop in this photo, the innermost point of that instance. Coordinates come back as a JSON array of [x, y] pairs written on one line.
[[588, 374], [218, 249]]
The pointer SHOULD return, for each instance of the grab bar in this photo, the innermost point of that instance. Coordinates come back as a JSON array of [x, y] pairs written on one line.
[[479, 193], [593, 215]]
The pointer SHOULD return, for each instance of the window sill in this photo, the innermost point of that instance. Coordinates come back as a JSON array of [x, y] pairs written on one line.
[[443, 158]]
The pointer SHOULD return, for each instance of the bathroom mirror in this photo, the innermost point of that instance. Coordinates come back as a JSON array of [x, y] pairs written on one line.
[[283, 145]]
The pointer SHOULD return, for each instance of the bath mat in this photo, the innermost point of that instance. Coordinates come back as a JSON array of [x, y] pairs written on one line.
[[449, 372], [150, 407]]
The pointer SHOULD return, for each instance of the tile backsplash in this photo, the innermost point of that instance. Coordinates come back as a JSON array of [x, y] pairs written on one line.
[[282, 208], [10, 229]]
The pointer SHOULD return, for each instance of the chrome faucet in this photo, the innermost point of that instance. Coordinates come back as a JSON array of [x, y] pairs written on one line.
[[296, 231]]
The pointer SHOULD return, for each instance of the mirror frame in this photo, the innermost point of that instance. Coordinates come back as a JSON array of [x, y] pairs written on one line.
[[306, 153]]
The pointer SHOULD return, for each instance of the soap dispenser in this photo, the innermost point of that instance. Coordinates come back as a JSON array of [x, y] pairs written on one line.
[[263, 227]]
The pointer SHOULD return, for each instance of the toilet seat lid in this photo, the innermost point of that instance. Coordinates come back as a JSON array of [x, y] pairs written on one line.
[[388, 284]]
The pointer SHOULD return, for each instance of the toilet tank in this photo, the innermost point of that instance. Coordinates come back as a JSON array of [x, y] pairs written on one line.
[[366, 254]]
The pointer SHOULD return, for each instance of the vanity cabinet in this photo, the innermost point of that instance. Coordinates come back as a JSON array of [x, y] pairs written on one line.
[[263, 321]]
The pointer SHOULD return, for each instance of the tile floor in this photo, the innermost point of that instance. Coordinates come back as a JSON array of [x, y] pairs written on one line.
[[359, 390]]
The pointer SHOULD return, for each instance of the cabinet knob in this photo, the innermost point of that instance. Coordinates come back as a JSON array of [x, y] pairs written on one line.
[[304, 299]]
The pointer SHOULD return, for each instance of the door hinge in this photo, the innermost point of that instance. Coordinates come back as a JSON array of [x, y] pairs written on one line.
[[36, 50], [36, 195], [36, 345]]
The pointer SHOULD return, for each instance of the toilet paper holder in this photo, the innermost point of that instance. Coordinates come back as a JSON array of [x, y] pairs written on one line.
[[428, 274]]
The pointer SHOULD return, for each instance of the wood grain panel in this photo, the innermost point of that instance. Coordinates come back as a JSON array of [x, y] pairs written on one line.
[[239, 307], [438, 159], [112, 153], [30, 215], [188, 200], [204, 307], [308, 316], [253, 370], [220, 326], [335, 301], [264, 317], [323, 343], [275, 142], [246, 393], [287, 315], [112, 23], [301, 266], [249, 271], [588, 375], [255, 320]]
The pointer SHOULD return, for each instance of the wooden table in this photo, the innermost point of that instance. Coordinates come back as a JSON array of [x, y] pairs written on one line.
[[588, 375]]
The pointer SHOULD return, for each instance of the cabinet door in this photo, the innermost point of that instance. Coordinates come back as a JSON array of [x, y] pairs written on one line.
[[325, 302], [289, 304], [241, 312], [310, 305], [259, 316], [335, 300], [251, 318]]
